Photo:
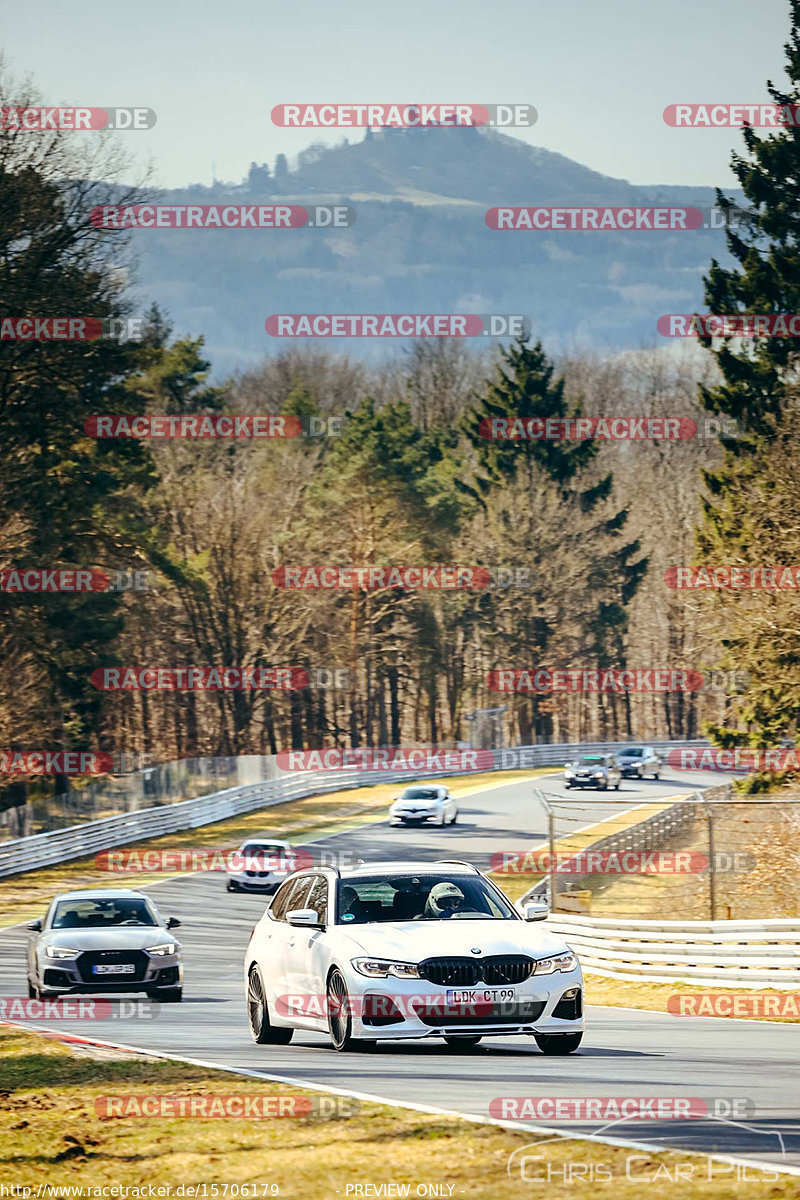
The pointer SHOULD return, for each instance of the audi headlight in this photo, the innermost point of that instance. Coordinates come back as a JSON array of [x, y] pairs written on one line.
[[60, 952], [380, 968], [164, 948], [559, 962]]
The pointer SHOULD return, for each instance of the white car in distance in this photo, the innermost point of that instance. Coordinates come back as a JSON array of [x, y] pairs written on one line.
[[261, 865], [409, 950], [424, 802]]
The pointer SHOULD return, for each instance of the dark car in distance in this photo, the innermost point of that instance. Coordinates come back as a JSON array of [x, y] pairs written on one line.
[[593, 770], [639, 761]]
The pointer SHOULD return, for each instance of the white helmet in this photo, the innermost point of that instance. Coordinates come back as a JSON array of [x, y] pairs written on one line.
[[444, 897]]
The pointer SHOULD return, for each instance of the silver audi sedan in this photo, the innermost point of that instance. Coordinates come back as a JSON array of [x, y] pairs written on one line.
[[104, 941]]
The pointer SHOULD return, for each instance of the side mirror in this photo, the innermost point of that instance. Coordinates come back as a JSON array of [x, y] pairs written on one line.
[[35, 926], [306, 917], [173, 923], [535, 910]]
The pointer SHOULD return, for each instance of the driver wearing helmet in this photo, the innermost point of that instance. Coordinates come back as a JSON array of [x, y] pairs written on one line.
[[444, 900]]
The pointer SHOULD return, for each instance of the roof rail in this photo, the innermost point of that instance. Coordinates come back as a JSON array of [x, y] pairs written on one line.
[[456, 862]]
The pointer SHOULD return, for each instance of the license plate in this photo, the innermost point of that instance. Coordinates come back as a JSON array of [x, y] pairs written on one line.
[[114, 969], [480, 995]]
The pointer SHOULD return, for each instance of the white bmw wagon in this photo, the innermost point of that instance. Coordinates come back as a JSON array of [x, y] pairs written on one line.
[[412, 950]]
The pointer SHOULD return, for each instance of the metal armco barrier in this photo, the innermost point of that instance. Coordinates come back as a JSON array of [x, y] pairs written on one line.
[[651, 834], [80, 841], [753, 954]]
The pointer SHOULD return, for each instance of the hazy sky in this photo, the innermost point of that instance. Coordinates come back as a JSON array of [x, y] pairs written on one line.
[[600, 72]]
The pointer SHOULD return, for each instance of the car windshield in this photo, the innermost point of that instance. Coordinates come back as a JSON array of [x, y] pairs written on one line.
[[632, 752], [102, 914], [368, 900], [419, 794], [269, 852]]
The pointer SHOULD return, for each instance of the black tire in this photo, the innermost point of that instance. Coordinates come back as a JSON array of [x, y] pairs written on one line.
[[657, 774], [258, 1015], [604, 788], [167, 995], [616, 785], [558, 1043], [33, 993], [568, 786], [455, 817], [340, 1016], [231, 888], [463, 1043], [640, 772]]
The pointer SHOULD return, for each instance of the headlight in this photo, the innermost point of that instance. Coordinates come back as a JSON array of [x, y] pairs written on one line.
[[568, 771], [165, 948], [598, 774], [379, 968], [559, 962], [60, 952]]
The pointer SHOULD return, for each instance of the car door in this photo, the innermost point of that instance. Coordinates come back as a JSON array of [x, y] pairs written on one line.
[[308, 955], [274, 935]]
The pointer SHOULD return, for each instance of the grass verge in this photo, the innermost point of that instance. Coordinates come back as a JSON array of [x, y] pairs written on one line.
[[50, 1134], [622, 993], [24, 897]]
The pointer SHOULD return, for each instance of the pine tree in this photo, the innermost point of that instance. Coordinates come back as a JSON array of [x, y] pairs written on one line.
[[518, 483], [766, 248], [745, 495]]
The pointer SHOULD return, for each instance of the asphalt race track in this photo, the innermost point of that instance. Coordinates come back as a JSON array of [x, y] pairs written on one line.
[[625, 1052]]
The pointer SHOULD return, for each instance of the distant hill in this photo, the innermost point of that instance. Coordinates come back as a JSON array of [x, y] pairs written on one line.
[[420, 244]]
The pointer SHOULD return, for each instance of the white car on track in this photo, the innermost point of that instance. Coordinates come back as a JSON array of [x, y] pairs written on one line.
[[409, 950], [423, 802], [260, 865]]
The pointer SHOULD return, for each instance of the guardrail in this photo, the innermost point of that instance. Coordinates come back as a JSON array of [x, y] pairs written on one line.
[[711, 953], [79, 841], [654, 833]]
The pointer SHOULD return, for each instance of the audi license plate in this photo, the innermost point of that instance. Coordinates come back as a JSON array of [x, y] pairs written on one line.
[[480, 995], [114, 969]]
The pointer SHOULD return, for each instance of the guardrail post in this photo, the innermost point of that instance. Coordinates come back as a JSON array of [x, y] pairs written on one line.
[[551, 841], [712, 866]]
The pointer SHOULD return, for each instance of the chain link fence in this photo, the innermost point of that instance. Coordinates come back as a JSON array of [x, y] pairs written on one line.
[[712, 856]]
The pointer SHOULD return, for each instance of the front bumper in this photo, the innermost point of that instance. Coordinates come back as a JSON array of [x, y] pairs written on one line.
[[256, 882], [60, 976], [535, 1001], [409, 817]]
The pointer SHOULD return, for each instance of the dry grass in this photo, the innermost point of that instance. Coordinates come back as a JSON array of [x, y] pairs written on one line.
[[621, 993], [767, 887], [50, 1133]]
